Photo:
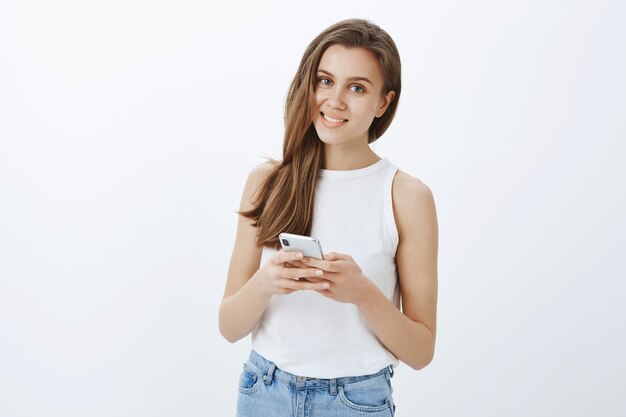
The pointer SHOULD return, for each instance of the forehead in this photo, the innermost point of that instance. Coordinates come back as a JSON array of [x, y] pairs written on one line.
[[346, 63]]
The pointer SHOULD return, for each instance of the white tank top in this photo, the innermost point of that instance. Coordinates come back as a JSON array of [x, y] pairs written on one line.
[[311, 335]]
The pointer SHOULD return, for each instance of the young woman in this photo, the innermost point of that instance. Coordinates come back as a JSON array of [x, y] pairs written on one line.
[[326, 345]]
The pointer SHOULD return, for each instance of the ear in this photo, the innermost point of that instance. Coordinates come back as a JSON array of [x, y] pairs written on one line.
[[385, 102]]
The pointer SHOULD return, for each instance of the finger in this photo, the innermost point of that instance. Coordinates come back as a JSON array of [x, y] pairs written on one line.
[[315, 279], [326, 277], [334, 256], [326, 265], [288, 255], [325, 292], [301, 285], [296, 264], [295, 273]]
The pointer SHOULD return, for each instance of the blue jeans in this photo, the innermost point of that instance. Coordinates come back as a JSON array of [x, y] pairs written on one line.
[[266, 391]]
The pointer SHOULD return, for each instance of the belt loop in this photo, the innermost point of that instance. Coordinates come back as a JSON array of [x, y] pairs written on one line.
[[333, 386], [270, 374], [390, 371]]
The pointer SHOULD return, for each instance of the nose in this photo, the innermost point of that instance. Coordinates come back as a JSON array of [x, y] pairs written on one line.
[[335, 99]]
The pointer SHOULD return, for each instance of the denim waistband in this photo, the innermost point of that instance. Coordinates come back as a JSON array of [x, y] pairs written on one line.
[[269, 371]]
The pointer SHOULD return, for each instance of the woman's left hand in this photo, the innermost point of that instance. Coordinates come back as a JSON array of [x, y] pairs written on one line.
[[347, 282]]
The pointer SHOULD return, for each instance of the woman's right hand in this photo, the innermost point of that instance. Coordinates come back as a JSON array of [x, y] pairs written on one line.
[[282, 272]]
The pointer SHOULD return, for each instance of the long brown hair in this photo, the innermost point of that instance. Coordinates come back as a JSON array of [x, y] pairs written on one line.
[[284, 200]]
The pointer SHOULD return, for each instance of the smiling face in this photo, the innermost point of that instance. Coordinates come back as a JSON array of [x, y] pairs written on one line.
[[348, 95]]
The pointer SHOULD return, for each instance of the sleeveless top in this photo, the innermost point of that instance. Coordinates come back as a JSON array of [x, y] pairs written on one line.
[[308, 334]]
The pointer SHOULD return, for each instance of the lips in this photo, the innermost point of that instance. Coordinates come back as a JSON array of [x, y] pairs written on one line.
[[333, 119]]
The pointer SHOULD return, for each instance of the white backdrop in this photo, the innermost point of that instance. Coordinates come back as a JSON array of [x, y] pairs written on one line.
[[127, 129]]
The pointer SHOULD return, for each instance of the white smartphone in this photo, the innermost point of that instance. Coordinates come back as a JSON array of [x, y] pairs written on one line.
[[309, 246]]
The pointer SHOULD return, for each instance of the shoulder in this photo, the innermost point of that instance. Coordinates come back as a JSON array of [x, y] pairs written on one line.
[[408, 190], [255, 179], [260, 172], [413, 203]]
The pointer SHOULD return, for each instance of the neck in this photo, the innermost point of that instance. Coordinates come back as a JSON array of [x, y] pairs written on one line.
[[344, 158]]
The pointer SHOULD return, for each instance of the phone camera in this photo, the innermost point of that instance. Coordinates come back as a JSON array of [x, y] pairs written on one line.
[[285, 242]]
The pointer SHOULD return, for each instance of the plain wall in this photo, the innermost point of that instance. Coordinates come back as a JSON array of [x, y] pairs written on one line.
[[128, 128]]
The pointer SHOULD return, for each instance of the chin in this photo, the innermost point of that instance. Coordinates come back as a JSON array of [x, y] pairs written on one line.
[[334, 138], [329, 137]]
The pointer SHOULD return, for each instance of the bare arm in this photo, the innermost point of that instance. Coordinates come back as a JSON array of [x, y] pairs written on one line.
[[248, 287], [410, 334]]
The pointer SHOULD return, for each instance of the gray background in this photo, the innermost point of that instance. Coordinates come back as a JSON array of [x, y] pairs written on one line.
[[127, 129]]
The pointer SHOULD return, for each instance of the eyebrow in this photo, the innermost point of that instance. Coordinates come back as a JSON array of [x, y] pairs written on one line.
[[349, 79]]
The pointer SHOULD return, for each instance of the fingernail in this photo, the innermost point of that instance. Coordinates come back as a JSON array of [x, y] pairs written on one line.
[[319, 272], [325, 286], [299, 255]]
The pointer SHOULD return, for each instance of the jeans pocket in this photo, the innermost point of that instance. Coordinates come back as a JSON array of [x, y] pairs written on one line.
[[249, 381], [372, 395]]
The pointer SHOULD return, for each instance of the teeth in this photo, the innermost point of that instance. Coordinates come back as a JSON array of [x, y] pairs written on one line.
[[330, 119]]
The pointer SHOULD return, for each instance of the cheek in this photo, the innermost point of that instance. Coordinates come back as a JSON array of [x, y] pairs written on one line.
[[368, 110], [320, 96]]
